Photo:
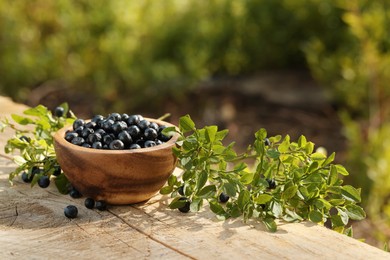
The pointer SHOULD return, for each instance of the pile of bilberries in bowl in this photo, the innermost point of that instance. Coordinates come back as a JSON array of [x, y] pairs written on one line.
[[116, 132]]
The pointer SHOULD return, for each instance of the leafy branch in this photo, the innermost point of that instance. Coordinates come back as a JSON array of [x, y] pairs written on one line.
[[285, 180], [33, 143]]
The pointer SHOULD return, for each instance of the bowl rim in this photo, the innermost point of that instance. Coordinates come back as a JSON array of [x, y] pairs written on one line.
[[59, 137]]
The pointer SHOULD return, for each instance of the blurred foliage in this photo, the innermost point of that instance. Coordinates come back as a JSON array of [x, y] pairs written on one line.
[[358, 75], [125, 53]]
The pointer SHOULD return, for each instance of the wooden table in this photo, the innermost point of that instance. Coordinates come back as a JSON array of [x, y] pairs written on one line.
[[33, 226]]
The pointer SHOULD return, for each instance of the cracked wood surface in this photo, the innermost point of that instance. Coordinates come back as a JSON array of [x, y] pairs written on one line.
[[33, 226]]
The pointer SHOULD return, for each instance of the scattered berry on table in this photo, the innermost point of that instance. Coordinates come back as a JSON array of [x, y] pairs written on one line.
[[101, 205], [71, 211], [74, 193], [89, 203]]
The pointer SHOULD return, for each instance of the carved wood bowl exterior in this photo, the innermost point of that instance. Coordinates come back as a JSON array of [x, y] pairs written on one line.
[[116, 176]]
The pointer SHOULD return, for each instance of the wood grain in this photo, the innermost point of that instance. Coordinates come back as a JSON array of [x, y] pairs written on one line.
[[33, 226]]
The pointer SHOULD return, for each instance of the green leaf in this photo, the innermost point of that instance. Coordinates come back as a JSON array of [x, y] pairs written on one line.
[[169, 131], [315, 216], [22, 120], [272, 153], [329, 159], [289, 192], [270, 224], [317, 156], [172, 180], [284, 146], [243, 199], [216, 208], [177, 203], [302, 141], [322, 203], [350, 193], [19, 160], [309, 147], [202, 179], [261, 134], [220, 135], [229, 189], [341, 169], [336, 221], [355, 212], [196, 204], [39, 110], [263, 198], [166, 190], [62, 184], [247, 177], [186, 124], [276, 209], [333, 175], [210, 133], [207, 191], [343, 216]]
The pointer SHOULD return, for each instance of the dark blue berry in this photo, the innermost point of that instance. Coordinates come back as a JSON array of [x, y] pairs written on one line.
[[70, 135], [154, 126], [125, 117], [181, 190], [223, 197], [101, 205], [108, 138], [77, 123], [133, 120], [78, 140], [59, 111], [86, 132], [57, 170], [74, 193], [44, 181], [26, 178], [97, 145], [115, 116], [116, 145], [150, 134], [89, 203], [125, 137], [134, 131], [149, 143], [135, 146], [186, 207], [91, 125], [119, 127], [97, 118], [25, 138], [143, 124], [71, 211], [271, 183]]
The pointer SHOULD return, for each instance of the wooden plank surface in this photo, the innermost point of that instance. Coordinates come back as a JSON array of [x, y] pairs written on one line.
[[33, 226]]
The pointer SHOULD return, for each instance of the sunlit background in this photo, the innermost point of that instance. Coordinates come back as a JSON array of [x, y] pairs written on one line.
[[315, 67]]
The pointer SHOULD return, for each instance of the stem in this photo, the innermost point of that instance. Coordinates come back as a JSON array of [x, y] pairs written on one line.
[[242, 157]]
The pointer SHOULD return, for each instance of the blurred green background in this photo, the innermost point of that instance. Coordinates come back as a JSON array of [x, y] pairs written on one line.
[[103, 56]]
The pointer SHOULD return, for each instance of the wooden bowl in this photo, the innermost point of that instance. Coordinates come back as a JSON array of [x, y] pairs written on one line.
[[116, 176]]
